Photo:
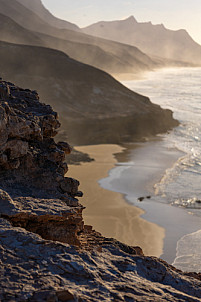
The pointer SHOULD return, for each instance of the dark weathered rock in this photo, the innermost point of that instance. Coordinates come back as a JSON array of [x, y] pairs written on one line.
[[46, 251], [76, 157], [51, 227], [65, 147], [33, 169], [27, 149], [69, 185]]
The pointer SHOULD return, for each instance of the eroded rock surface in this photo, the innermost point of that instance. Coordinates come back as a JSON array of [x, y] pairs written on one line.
[[27, 148], [32, 168], [34, 269], [46, 251]]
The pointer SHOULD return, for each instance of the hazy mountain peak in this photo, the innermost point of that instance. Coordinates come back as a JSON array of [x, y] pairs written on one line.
[[153, 39], [38, 8], [130, 19]]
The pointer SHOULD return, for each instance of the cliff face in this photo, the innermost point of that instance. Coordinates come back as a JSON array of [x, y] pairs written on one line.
[[46, 251], [32, 166]]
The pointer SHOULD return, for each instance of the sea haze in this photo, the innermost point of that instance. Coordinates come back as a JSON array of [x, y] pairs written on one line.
[[176, 191], [180, 91]]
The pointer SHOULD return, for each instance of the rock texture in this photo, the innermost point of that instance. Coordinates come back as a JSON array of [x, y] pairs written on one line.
[[34, 269], [32, 166], [46, 251]]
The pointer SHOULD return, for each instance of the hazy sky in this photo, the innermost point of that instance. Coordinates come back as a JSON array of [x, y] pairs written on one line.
[[174, 14]]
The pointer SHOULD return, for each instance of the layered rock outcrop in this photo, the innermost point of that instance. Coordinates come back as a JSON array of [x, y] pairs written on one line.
[[33, 168], [46, 251]]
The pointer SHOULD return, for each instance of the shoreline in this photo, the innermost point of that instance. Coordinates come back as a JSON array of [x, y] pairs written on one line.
[[143, 169], [107, 211], [152, 224]]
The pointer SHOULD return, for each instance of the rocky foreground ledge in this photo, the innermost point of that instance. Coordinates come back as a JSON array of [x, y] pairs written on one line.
[[46, 251]]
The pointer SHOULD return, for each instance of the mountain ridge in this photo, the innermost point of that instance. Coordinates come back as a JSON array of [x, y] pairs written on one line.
[[110, 56], [37, 7], [155, 40], [89, 100]]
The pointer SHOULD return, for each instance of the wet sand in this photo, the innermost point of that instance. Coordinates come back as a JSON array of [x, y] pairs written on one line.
[[106, 210], [141, 166]]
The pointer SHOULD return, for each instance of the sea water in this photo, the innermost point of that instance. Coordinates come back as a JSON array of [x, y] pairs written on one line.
[[180, 91], [179, 188]]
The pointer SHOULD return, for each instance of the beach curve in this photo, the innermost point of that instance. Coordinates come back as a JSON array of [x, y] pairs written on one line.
[[106, 210]]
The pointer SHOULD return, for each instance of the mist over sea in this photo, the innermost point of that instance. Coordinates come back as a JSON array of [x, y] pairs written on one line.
[[180, 91], [177, 192]]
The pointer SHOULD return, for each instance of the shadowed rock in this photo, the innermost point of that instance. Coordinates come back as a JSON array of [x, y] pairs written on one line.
[[33, 168]]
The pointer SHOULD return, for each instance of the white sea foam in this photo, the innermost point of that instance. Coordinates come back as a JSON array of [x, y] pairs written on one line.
[[188, 256], [114, 173], [178, 90]]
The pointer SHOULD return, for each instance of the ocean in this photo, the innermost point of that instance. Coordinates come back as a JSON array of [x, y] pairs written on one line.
[[172, 197]]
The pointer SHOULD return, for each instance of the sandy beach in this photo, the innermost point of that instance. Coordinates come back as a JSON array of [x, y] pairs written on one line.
[[107, 211], [153, 224]]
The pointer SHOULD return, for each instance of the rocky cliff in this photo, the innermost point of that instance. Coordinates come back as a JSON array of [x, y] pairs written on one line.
[[46, 251]]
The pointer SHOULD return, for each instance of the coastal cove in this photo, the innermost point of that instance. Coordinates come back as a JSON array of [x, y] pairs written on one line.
[[137, 177], [111, 191], [47, 252], [100, 153], [160, 168]]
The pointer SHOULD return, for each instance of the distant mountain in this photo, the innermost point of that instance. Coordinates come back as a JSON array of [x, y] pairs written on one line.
[[11, 31], [23, 16], [152, 39], [38, 8], [110, 56], [93, 106]]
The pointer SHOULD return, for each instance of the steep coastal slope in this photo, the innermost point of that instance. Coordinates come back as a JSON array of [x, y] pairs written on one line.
[[11, 31], [114, 59], [23, 16], [109, 56], [94, 107], [152, 39], [38, 8], [46, 251]]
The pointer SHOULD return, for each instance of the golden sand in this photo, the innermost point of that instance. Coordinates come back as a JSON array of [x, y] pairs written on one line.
[[107, 211]]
